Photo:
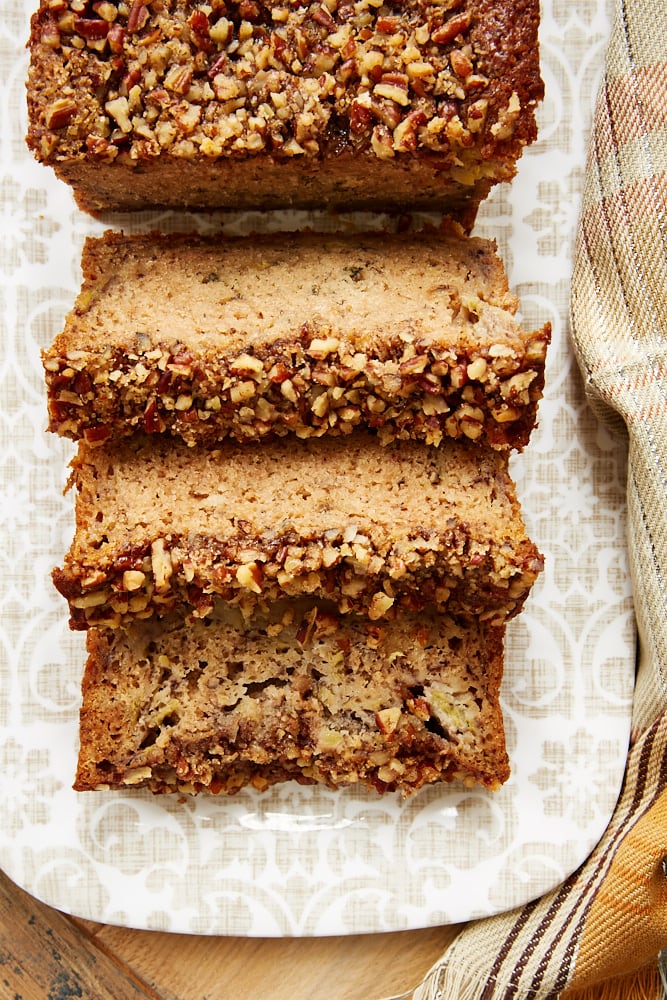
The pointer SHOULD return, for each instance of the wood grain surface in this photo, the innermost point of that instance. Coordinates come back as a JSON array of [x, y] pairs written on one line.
[[47, 955]]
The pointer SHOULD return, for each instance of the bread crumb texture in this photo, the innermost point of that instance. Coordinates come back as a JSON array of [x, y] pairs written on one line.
[[300, 694]]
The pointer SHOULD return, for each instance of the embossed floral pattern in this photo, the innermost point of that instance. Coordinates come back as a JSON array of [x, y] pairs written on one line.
[[551, 216], [570, 787], [25, 228], [26, 785]]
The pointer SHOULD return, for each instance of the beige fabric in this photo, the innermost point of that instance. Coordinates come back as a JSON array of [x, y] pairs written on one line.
[[610, 917]]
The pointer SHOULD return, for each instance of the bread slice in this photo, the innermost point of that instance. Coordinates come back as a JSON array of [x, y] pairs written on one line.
[[256, 104], [376, 529], [412, 334], [302, 694]]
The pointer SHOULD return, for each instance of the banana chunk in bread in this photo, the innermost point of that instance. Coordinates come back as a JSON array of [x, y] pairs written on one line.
[[414, 335], [302, 694], [257, 104], [374, 528]]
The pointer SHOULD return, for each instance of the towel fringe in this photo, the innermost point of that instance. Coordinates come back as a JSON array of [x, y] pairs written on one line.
[[446, 982]]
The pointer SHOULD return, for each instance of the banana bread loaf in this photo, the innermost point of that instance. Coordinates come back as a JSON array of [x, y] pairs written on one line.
[[374, 528], [413, 335], [303, 694], [257, 104]]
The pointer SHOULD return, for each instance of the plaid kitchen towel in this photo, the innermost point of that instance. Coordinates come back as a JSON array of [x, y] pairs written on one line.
[[609, 918]]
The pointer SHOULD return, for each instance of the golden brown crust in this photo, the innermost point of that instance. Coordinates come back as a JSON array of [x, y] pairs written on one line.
[[330, 93], [414, 335], [376, 529], [304, 695]]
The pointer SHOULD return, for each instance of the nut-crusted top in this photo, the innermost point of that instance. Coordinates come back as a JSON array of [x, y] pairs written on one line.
[[374, 528], [415, 335], [455, 80]]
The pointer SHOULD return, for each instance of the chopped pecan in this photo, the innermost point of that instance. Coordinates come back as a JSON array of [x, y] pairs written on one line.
[[387, 719], [60, 113], [91, 28], [200, 28], [137, 17], [116, 37], [448, 31], [460, 63], [97, 434], [249, 10], [50, 35], [101, 149], [152, 420], [322, 16], [361, 117]]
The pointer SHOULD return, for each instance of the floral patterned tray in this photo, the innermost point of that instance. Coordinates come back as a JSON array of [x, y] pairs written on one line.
[[305, 861]]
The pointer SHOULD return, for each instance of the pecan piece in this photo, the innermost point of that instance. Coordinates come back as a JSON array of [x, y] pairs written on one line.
[[360, 118], [101, 149], [387, 25], [217, 65], [347, 71], [200, 28], [419, 707], [178, 79], [161, 564], [387, 719], [249, 10], [97, 434], [137, 17], [394, 87], [50, 35], [448, 31], [116, 37], [386, 111], [405, 134], [91, 28], [379, 605], [152, 421], [322, 16], [60, 113], [249, 576], [382, 142], [106, 10], [461, 63]]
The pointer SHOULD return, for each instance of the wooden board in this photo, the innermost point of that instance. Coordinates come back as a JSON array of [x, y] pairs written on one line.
[[44, 953]]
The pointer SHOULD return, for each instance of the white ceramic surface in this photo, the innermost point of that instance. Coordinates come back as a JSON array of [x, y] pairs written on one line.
[[308, 861]]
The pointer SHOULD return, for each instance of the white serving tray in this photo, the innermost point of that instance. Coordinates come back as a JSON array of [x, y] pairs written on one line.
[[308, 861]]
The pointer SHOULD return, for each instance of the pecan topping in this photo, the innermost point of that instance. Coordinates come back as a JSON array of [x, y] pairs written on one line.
[[245, 77]]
